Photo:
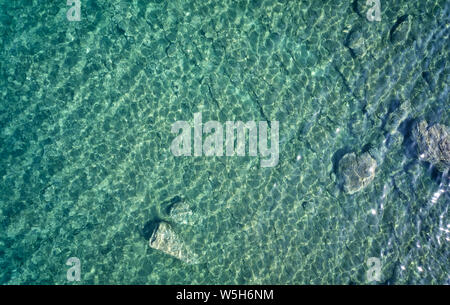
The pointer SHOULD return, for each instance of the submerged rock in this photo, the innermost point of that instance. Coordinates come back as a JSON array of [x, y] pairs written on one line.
[[177, 210], [361, 7], [356, 43], [434, 144], [400, 30], [166, 240], [182, 214], [356, 171], [397, 113]]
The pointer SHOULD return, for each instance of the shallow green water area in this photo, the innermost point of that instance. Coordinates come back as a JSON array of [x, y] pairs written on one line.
[[87, 108]]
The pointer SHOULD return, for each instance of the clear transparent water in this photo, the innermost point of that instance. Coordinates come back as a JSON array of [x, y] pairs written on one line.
[[85, 116]]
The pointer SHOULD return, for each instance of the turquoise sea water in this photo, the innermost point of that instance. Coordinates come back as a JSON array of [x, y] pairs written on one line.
[[85, 131]]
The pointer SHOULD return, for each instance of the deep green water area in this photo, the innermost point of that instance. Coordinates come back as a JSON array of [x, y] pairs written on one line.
[[86, 111]]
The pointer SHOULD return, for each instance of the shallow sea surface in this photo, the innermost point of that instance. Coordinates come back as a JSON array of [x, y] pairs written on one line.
[[85, 132]]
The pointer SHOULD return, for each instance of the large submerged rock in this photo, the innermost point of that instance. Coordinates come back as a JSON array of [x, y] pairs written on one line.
[[356, 171], [166, 240], [433, 142]]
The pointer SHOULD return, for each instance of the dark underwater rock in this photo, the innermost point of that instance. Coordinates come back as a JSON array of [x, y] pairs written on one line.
[[400, 30], [356, 43], [356, 172], [170, 204], [433, 143]]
